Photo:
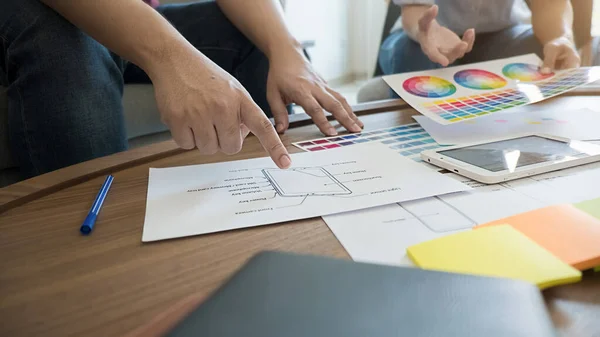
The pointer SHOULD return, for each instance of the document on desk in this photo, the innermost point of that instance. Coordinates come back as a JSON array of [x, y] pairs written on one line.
[[382, 234], [579, 124], [199, 199]]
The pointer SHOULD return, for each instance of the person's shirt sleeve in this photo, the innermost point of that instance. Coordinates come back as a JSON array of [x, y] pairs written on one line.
[[414, 2]]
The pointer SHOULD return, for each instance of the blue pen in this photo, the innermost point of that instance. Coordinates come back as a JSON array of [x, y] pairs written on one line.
[[90, 220]]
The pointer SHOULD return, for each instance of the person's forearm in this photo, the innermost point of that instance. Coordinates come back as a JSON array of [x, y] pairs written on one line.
[[262, 22], [410, 19], [130, 28], [551, 19]]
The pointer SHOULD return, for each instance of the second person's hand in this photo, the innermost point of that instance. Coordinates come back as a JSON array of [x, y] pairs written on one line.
[[439, 43], [206, 108], [559, 54]]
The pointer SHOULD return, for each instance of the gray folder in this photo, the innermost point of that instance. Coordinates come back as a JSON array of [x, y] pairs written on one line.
[[286, 295]]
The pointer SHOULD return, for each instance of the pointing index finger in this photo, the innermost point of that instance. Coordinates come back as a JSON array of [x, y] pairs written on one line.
[[261, 127]]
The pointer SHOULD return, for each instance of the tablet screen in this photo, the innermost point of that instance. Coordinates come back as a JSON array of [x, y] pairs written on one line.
[[513, 153]]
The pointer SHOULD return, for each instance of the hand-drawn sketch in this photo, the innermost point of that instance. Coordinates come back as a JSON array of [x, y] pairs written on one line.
[[305, 181]]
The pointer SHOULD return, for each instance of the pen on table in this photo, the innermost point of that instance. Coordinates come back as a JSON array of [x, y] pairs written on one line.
[[90, 220]]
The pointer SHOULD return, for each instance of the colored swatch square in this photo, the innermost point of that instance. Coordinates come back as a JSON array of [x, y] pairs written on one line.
[[389, 141], [499, 251]]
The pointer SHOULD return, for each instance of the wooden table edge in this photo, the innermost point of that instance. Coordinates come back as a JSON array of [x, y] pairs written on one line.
[[28, 190]]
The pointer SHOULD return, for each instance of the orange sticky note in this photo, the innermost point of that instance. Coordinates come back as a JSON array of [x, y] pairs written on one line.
[[569, 233]]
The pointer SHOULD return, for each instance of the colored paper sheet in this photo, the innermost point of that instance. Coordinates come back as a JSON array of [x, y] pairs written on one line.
[[592, 207], [199, 199], [580, 124], [464, 93], [566, 231], [499, 251], [407, 140]]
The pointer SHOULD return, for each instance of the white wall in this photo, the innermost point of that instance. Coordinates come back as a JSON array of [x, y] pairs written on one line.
[[366, 26], [325, 22], [346, 34]]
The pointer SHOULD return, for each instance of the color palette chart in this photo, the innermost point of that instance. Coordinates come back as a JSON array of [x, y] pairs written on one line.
[[408, 140], [459, 94]]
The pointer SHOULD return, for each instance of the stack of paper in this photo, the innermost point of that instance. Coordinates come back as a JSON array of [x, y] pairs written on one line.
[[499, 251], [566, 231]]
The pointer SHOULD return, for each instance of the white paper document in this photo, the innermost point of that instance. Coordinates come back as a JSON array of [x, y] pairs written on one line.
[[199, 199], [382, 234], [467, 92], [579, 124]]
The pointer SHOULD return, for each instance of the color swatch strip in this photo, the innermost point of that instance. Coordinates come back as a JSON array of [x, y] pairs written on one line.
[[464, 108], [408, 140]]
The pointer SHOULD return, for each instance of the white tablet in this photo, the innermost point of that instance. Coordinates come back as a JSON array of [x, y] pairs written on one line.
[[511, 158]]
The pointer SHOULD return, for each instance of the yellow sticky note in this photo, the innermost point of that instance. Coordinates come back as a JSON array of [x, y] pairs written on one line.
[[591, 207], [499, 251]]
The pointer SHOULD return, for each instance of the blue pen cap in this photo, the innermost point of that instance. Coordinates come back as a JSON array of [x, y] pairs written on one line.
[[88, 224]]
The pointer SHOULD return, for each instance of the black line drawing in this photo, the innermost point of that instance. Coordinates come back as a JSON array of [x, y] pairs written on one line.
[[305, 181], [423, 218]]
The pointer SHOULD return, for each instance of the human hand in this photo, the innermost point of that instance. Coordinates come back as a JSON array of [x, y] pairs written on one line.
[[292, 80], [439, 43], [206, 108], [560, 54]]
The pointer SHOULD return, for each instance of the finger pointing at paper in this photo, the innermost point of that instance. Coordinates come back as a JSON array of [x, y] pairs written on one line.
[[208, 109]]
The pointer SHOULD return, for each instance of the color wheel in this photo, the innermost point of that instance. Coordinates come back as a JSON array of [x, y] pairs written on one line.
[[479, 79], [524, 72], [429, 86]]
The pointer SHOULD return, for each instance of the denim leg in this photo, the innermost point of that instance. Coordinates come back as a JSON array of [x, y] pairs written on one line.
[[205, 26], [512, 41], [400, 54], [64, 90]]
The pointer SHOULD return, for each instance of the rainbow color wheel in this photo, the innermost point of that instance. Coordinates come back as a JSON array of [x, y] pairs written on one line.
[[429, 86], [479, 79], [524, 72]]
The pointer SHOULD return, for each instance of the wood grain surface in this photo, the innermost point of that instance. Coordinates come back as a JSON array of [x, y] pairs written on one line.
[[55, 282]]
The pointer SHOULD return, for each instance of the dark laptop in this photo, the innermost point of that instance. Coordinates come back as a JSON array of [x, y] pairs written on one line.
[[286, 295]]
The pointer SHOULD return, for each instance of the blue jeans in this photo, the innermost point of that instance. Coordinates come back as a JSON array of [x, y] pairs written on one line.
[[65, 89], [400, 54]]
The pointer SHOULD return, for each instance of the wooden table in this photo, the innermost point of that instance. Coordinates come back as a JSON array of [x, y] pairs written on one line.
[[54, 282]]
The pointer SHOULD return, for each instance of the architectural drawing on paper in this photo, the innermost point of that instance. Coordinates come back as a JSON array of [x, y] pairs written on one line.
[[305, 181]]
